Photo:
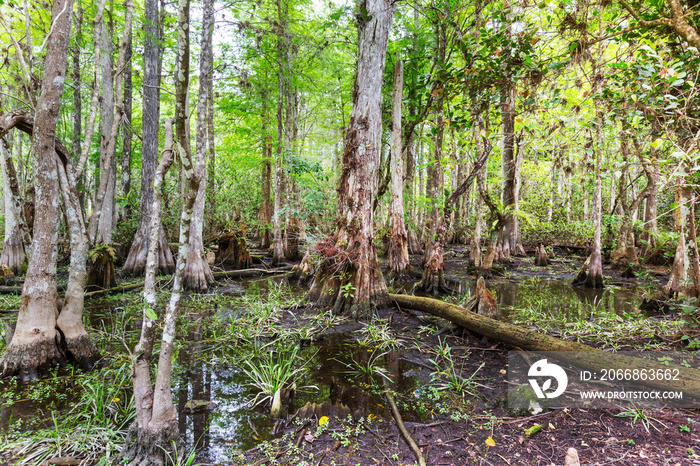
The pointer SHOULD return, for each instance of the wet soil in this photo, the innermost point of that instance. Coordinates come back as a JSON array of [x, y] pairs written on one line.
[[454, 429], [600, 436]]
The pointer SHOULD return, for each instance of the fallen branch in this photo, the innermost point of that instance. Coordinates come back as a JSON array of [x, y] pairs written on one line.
[[579, 354], [18, 289], [402, 428], [225, 274]]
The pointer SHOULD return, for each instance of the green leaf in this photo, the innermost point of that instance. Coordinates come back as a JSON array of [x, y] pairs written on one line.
[[151, 314]]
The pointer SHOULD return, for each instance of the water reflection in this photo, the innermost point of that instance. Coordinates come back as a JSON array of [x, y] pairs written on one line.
[[557, 298], [334, 382]]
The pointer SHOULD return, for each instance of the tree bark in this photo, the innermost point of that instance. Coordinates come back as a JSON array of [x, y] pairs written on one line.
[[198, 275], [12, 246], [349, 277], [33, 348], [100, 225], [508, 164], [155, 427], [136, 260], [435, 182], [150, 440], [591, 273], [77, 86], [399, 264], [210, 215], [76, 342], [282, 45], [265, 215], [125, 185]]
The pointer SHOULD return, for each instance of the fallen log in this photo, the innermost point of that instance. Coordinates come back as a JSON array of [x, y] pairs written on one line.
[[224, 274], [122, 288], [246, 273], [581, 355]]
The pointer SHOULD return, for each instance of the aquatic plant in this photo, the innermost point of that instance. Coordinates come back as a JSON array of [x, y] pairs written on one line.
[[272, 371]]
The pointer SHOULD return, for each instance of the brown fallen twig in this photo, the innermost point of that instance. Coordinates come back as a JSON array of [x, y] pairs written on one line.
[[402, 428]]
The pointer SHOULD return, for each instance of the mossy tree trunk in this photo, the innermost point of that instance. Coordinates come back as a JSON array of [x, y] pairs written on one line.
[[198, 275], [582, 355], [349, 277], [34, 345], [265, 214], [153, 438]]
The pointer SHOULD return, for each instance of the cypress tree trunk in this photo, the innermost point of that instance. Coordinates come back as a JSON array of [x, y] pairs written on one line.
[[265, 215], [685, 273], [433, 273], [33, 347], [282, 44], [12, 246], [136, 260], [100, 226], [153, 438], [198, 275], [435, 182], [125, 185], [349, 277], [210, 214], [591, 273], [399, 264]]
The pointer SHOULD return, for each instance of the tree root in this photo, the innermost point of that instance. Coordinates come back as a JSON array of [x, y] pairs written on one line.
[[29, 360], [82, 351], [146, 449]]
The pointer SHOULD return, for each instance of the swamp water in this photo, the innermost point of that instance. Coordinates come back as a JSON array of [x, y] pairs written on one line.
[[332, 360]]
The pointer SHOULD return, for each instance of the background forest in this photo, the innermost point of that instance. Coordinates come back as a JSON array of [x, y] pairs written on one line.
[[580, 82]]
